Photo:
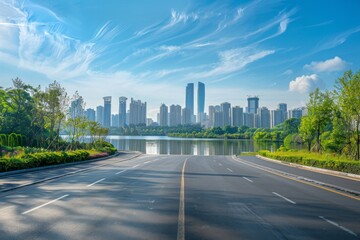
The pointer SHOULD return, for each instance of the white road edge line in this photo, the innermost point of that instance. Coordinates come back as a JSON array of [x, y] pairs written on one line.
[[284, 198], [181, 216], [339, 226], [91, 184], [121, 171], [43, 205], [147, 162], [249, 180], [229, 169], [136, 166]]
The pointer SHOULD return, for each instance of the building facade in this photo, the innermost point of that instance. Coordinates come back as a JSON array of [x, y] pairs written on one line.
[[107, 111], [122, 111]]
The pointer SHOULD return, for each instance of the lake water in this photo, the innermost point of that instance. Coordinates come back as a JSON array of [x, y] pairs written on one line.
[[187, 146]]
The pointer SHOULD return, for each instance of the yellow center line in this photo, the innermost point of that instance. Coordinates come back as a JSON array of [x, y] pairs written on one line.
[[181, 216], [298, 180]]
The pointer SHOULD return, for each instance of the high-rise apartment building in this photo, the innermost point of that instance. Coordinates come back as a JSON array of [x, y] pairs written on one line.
[[100, 115], [175, 115], [218, 119], [276, 117], [211, 115], [296, 113], [249, 119], [90, 114], [284, 112], [189, 102], [264, 117], [137, 112], [122, 111], [77, 108], [186, 116], [107, 111], [163, 115], [237, 116], [253, 104], [115, 120], [226, 110], [200, 102]]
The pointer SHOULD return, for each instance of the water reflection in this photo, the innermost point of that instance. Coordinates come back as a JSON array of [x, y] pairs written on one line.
[[166, 145]]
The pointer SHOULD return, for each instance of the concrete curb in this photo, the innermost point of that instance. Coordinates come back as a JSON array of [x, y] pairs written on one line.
[[342, 189], [315, 169], [70, 173]]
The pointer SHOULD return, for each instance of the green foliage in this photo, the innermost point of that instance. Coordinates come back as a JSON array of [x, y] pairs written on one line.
[[329, 161], [41, 159]]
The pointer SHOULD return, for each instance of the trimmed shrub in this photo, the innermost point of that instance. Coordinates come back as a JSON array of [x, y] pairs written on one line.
[[349, 166]]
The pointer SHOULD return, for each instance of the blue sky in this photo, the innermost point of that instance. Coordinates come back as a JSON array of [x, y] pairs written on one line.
[[150, 50]]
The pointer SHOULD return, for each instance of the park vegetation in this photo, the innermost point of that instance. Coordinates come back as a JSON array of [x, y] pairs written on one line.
[[31, 120]]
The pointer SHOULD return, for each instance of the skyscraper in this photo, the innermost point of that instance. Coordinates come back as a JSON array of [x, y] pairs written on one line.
[[237, 116], [200, 102], [107, 111], [100, 115], [137, 112], [90, 114], [189, 103], [276, 117], [122, 111], [163, 115], [186, 116], [77, 108], [264, 115], [211, 116], [175, 115], [253, 104], [226, 110], [284, 113], [249, 119]]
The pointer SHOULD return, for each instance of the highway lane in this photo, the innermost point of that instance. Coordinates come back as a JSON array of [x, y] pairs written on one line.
[[161, 197], [345, 182]]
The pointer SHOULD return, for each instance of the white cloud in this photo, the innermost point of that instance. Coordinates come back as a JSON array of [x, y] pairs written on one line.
[[330, 65], [305, 83], [180, 17], [234, 60], [288, 72]]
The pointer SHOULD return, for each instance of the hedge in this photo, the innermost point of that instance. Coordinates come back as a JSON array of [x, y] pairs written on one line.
[[41, 159], [337, 165]]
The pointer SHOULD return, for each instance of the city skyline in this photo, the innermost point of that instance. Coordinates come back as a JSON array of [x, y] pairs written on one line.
[[277, 50]]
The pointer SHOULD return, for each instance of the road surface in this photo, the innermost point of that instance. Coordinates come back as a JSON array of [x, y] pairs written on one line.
[[180, 197]]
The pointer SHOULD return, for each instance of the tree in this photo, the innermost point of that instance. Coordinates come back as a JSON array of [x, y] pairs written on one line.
[[320, 111], [347, 92], [307, 131]]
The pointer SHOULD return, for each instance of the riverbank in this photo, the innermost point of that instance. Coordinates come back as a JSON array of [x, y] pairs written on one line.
[[326, 161]]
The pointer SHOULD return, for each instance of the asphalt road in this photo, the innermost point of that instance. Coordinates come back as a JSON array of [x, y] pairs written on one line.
[[179, 197]]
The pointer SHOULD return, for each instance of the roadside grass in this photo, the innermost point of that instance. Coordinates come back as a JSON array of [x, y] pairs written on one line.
[[325, 160]]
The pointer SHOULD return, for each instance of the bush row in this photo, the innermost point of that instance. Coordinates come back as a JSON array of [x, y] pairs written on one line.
[[42, 159], [337, 165]]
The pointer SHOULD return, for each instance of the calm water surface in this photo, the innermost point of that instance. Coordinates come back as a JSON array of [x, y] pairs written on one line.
[[187, 146]]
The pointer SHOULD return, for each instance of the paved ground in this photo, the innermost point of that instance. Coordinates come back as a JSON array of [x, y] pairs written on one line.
[[179, 197]]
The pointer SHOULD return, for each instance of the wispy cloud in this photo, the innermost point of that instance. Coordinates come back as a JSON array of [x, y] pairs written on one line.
[[179, 17], [330, 65], [338, 40], [233, 60]]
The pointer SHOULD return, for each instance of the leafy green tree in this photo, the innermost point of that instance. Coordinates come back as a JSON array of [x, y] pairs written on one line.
[[307, 131], [320, 111], [348, 93]]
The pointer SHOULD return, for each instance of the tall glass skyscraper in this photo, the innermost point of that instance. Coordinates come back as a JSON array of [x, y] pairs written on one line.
[[122, 111], [253, 104], [107, 112], [201, 97], [189, 104]]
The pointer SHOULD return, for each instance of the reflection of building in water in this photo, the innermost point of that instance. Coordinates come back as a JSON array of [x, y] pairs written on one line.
[[164, 147], [138, 145], [152, 147], [186, 147], [175, 147], [200, 148]]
